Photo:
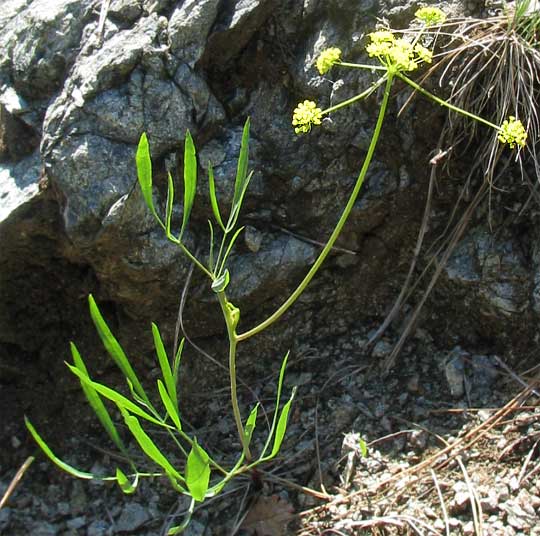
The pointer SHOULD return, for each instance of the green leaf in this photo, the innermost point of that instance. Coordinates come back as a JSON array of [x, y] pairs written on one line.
[[114, 349], [144, 174], [278, 398], [171, 408], [149, 447], [230, 246], [170, 203], [190, 180], [165, 366], [125, 485], [250, 424], [177, 359], [241, 170], [363, 448], [211, 248], [197, 472], [220, 284], [121, 401], [213, 196], [95, 401], [237, 205], [50, 454], [282, 425]]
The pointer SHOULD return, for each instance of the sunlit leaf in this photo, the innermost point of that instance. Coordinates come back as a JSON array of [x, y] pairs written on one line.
[[149, 447], [165, 366], [95, 401], [121, 401], [213, 196], [144, 173], [190, 180], [50, 454], [197, 472], [114, 349], [171, 408]]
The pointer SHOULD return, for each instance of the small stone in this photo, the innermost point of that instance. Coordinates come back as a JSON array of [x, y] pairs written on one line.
[[413, 385], [133, 516], [418, 439], [468, 529], [454, 370], [76, 523], [78, 500], [253, 238], [15, 442], [97, 528], [381, 349], [63, 508]]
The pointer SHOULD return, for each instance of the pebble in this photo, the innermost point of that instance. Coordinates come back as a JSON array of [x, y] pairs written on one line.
[[97, 528], [76, 523], [133, 516]]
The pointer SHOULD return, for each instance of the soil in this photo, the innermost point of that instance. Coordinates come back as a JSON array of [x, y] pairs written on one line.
[[447, 443]]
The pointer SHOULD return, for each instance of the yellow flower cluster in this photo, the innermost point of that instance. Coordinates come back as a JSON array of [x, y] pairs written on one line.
[[305, 115], [327, 59], [397, 53], [430, 16], [513, 132]]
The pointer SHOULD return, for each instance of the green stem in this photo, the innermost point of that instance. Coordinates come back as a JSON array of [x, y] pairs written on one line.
[[337, 231], [358, 97], [444, 103], [233, 340], [190, 256], [361, 66]]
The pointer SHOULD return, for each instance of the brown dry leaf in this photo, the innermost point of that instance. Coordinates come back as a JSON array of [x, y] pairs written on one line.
[[269, 516]]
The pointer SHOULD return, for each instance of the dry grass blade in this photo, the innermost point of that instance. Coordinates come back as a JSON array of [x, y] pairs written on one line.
[[441, 500], [16, 479]]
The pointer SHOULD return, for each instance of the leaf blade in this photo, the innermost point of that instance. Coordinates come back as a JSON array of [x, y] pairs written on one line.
[[144, 173], [50, 454], [114, 349], [95, 401], [190, 180], [197, 472]]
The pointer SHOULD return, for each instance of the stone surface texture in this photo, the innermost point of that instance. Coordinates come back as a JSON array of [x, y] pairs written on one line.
[[75, 96]]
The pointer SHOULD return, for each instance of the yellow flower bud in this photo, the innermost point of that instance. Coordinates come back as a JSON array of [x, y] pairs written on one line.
[[305, 115], [327, 59], [513, 132]]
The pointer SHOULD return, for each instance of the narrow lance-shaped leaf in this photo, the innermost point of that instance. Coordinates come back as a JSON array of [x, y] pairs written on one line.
[[114, 349], [213, 196], [121, 401], [241, 170], [149, 447], [250, 424], [177, 360], [211, 247], [237, 205], [50, 454], [197, 472], [282, 425], [165, 366], [172, 410], [95, 401], [230, 246], [190, 180], [144, 174], [278, 398], [170, 203]]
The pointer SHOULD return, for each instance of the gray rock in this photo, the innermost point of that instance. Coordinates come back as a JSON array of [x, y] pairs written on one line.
[[133, 516], [18, 184], [454, 370]]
